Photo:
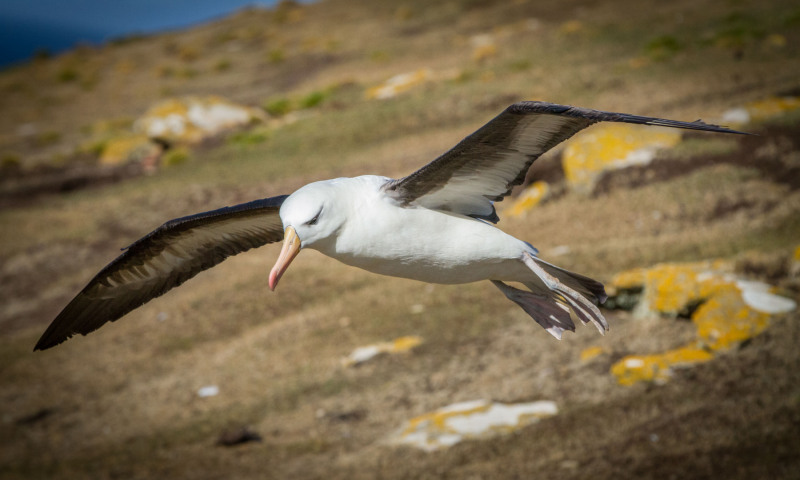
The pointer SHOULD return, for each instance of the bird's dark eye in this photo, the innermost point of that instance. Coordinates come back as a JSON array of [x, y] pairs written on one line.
[[313, 221]]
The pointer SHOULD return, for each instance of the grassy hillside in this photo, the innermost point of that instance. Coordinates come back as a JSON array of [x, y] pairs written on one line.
[[122, 402]]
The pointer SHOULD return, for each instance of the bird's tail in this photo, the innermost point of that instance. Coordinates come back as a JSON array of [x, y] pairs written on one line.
[[557, 297]]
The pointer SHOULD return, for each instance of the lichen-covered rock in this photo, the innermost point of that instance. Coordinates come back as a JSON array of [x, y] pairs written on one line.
[[658, 368], [590, 353], [612, 147], [398, 345], [725, 311], [760, 110], [470, 420], [129, 148], [672, 287], [193, 119], [533, 195], [399, 84]]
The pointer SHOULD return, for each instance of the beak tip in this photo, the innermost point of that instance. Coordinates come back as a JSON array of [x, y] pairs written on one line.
[[273, 280]]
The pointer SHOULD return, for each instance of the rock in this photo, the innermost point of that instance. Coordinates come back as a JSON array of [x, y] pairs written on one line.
[[533, 195], [470, 420], [612, 147], [590, 353], [399, 84], [398, 345], [129, 148], [657, 368], [760, 110], [237, 436], [724, 309], [194, 119], [208, 391]]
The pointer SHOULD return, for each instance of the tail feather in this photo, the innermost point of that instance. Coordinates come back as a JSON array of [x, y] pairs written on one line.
[[588, 287]]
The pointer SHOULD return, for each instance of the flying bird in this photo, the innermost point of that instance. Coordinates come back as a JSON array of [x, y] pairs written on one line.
[[435, 225]]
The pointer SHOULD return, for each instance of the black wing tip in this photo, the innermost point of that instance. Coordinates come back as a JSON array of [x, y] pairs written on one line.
[[46, 342], [535, 106]]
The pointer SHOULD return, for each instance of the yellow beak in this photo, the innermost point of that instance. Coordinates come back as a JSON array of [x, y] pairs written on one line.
[[291, 247]]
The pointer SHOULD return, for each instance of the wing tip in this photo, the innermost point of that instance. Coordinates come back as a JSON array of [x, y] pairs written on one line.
[[45, 343], [535, 106]]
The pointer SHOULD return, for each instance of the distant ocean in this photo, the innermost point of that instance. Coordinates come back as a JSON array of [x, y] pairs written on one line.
[[31, 26], [21, 40]]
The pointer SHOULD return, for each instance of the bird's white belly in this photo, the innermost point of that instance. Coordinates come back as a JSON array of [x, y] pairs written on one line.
[[430, 246]]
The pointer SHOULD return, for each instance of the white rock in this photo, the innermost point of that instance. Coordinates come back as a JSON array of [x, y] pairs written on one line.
[[208, 391], [738, 115]]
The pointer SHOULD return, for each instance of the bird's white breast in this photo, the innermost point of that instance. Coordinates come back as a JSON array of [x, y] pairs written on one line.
[[418, 243]]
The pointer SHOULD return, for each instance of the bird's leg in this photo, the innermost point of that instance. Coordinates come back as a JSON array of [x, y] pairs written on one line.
[[579, 305], [552, 316]]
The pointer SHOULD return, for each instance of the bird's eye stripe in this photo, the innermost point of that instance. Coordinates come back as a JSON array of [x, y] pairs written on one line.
[[313, 221]]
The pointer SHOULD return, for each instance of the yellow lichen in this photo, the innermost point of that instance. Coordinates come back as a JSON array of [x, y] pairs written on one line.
[[629, 279], [670, 288], [398, 84], [730, 311], [658, 367], [192, 119], [404, 344], [725, 320], [591, 353], [128, 148], [610, 147], [398, 345], [468, 420], [529, 198], [772, 106], [439, 418]]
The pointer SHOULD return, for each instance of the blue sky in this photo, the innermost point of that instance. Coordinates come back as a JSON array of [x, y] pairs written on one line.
[[29, 25]]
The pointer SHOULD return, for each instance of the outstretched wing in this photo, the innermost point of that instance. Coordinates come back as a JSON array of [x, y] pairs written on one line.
[[485, 166], [164, 259]]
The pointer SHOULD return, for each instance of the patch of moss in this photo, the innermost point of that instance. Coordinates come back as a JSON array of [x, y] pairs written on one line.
[[313, 99], [174, 157], [276, 55], [67, 74], [249, 137], [278, 106], [10, 161], [662, 48], [48, 138], [737, 30], [520, 65], [222, 65]]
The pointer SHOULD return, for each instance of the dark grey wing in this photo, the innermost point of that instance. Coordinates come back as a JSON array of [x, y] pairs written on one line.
[[164, 259], [485, 166]]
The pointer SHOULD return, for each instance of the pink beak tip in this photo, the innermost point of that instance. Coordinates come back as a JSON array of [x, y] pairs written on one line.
[[273, 280]]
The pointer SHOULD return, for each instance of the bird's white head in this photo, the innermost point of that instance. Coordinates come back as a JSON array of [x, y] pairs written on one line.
[[311, 217]]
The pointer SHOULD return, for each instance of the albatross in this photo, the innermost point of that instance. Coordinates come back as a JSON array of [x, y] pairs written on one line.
[[435, 225]]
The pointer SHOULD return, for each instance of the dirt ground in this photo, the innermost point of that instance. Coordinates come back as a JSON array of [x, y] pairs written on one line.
[[122, 402]]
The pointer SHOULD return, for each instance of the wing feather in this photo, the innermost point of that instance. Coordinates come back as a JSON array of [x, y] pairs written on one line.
[[164, 259], [485, 166]]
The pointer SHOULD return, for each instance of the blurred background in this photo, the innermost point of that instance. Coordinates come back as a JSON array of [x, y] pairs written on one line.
[[119, 116]]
